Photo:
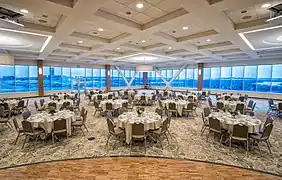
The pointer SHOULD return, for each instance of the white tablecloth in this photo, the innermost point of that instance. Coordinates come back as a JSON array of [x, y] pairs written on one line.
[[151, 120], [116, 103], [59, 104], [180, 105], [46, 120], [228, 121], [12, 103], [162, 92], [230, 105], [130, 92], [148, 97], [104, 95]]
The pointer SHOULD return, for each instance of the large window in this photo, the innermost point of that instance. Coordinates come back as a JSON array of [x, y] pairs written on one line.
[[225, 82], [237, 77], [276, 85], [56, 78], [7, 79], [66, 78], [189, 78], [206, 77], [46, 78], [78, 74], [89, 78], [22, 78], [215, 78], [195, 79], [250, 78], [33, 78], [264, 78]]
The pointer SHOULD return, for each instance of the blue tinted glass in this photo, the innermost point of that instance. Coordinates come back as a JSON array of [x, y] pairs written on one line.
[[225, 82], [237, 77], [103, 78], [195, 81], [33, 78], [215, 78], [56, 78], [66, 78], [97, 78], [206, 77], [78, 74], [181, 79], [277, 78], [7, 79], [46, 78], [169, 75], [264, 78], [22, 78], [250, 78], [89, 78], [115, 78], [175, 82], [189, 78]]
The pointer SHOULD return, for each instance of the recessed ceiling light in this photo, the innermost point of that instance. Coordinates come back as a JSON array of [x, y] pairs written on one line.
[[24, 10], [185, 27], [143, 41], [118, 48], [279, 38], [208, 40], [265, 5], [80, 42], [100, 29], [139, 5], [169, 47]]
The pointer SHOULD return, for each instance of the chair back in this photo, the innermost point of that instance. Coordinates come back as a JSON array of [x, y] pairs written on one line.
[[165, 93], [190, 106], [214, 125], [124, 105], [160, 104], [111, 127], [96, 104], [21, 103], [125, 93], [27, 127], [129, 100], [109, 106], [159, 111], [110, 116], [204, 93], [36, 105], [269, 120], [110, 96], [26, 105], [172, 106], [280, 106], [206, 111], [240, 107], [246, 96], [60, 124], [270, 102], [253, 108], [266, 131], [165, 125], [99, 97], [226, 97], [210, 102], [250, 104], [123, 110], [143, 98], [52, 104], [240, 131], [203, 118], [242, 98], [138, 130], [41, 101], [15, 122], [2, 111], [84, 117], [65, 104], [70, 108], [26, 114], [6, 106], [219, 105], [82, 111]]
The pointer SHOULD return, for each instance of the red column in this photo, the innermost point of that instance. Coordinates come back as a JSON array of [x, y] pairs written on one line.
[[145, 78], [108, 77], [40, 78], [200, 76]]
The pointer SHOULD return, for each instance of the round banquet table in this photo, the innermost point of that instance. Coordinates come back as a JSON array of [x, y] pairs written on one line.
[[162, 92], [59, 104], [116, 103], [180, 104], [46, 120], [231, 105], [227, 121], [148, 97], [104, 95], [130, 92], [12, 103], [151, 120]]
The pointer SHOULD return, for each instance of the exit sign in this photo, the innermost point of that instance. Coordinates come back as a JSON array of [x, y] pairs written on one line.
[[78, 66]]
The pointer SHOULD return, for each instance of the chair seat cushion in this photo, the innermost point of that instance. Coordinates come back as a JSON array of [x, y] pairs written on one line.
[[255, 136], [118, 130], [77, 123]]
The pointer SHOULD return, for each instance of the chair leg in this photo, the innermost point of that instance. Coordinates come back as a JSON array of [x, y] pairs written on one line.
[[35, 141], [82, 131], [108, 140], [221, 136], [203, 129], [145, 144], [53, 138], [16, 140], [230, 143], [115, 143], [166, 138], [268, 146], [259, 149], [85, 127], [208, 135], [247, 146], [24, 141], [95, 112]]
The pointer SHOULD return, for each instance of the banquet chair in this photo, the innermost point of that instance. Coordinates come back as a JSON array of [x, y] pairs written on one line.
[[138, 133], [52, 104], [80, 116], [26, 105], [142, 100], [263, 137], [240, 108], [205, 123], [91, 100], [159, 112], [60, 126], [5, 119], [113, 131], [250, 111], [7, 110], [219, 105], [110, 96], [246, 96], [97, 108], [152, 100], [99, 97], [37, 107], [130, 103], [124, 105], [269, 120], [214, 127], [279, 108], [165, 94], [189, 109], [162, 131], [65, 105], [240, 133], [41, 101], [172, 108], [250, 105], [29, 131], [18, 129], [210, 104], [227, 98], [109, 107], [26, 115], [19, 107], [80, 124], [272, 107]]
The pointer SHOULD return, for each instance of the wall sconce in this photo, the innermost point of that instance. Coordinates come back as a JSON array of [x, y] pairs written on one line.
[[200, 72], [40, 72]]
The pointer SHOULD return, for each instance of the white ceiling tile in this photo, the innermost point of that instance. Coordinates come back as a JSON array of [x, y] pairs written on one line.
[[125, 2], [169, 6], [146, 5], [154, 2], [142, 18], [154, 12]]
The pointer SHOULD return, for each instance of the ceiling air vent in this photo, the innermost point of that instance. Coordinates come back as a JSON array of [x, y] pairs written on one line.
[[10, 16], [275, 13]]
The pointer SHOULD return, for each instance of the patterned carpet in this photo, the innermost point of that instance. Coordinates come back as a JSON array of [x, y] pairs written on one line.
[[186, 142]]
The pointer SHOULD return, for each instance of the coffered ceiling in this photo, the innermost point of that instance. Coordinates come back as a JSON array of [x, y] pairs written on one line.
[[168, 32]]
